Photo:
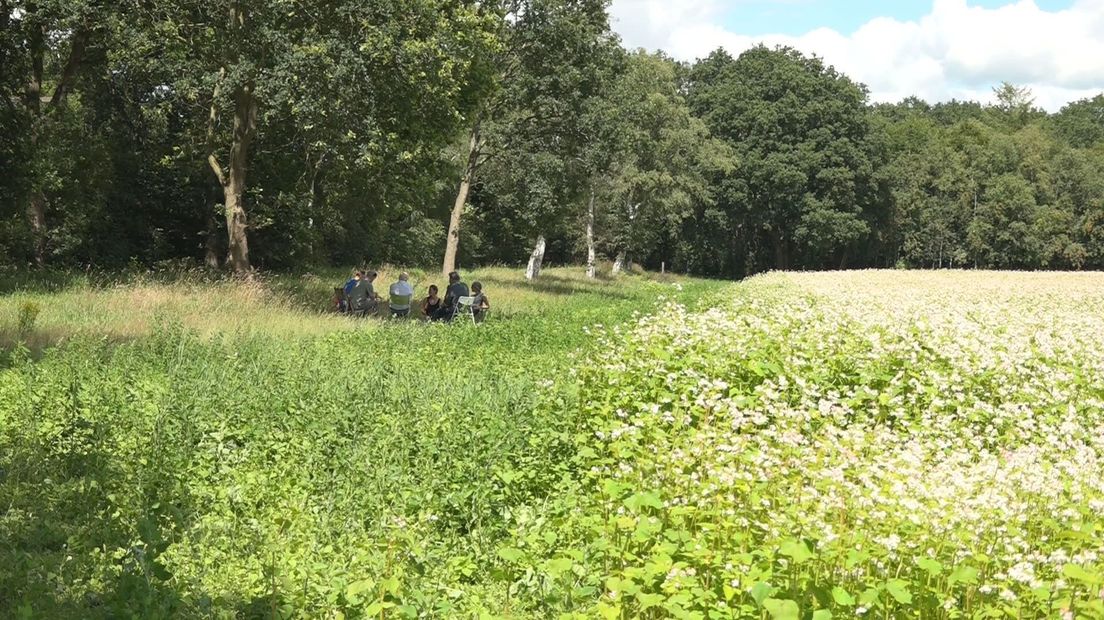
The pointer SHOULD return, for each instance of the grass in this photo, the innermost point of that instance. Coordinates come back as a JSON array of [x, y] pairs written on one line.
[[181, 446], [878, 444], [124, 307]]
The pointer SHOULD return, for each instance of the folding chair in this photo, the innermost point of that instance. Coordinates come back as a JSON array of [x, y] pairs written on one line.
[[464, 308], [340, 300]]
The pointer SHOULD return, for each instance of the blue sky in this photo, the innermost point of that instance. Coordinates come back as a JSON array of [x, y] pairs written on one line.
[[795, 17]]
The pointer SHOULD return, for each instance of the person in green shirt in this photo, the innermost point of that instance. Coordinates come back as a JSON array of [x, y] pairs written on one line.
[[363, 299]]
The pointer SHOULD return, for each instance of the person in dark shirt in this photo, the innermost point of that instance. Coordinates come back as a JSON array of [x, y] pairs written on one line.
[[432, 304], [456, 289], [480, 303]]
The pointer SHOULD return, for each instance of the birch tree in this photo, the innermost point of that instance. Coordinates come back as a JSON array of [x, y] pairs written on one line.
[[530, 87]]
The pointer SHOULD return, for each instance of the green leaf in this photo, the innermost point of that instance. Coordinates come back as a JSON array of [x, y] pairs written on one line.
[[355, 589], [558, 566], [375, 608], [1073, 571], [637, 501], [964, 574], [760, 592], [931, 566], [822, 614], [797, 550], [898, 589], [869, 596], [783, 609], [511, 554], [647, 601], [584, 592], [842, 597]]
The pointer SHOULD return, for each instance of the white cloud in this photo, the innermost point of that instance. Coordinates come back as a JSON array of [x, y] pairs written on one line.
[[955, 51]]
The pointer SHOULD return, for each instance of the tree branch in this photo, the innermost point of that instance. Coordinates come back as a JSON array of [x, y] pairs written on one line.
[[216, 167], [212, 120], [76, 54]]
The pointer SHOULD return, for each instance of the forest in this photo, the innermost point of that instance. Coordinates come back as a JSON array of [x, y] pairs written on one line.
[[291, 134]]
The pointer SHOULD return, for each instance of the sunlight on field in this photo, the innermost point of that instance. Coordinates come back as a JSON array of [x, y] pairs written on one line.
[[881, 444], [898, 444], [366, 463], [278, 305]]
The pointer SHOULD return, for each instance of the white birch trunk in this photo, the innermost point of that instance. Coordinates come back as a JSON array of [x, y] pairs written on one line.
[[592, 256], [535, 259], [619, 263]]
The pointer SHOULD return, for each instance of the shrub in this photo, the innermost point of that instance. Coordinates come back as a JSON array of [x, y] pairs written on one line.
[[28, 314]]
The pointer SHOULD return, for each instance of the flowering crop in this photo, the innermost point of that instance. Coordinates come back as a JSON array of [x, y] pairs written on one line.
[[876, 444]]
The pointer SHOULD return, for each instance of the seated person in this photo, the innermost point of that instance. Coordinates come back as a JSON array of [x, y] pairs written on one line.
[[480, 303], [341, 295], [401, 296], [357, 276], [363, 299], [456, 289], [432, 304]]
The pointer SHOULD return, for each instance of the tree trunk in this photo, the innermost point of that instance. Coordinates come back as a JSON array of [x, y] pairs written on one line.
[[781, 253], [33, 100], [536, 259], [36, 216], [211, 249], [592, 267], [36, 201], [452, 244], [234, 181], [619, 262]]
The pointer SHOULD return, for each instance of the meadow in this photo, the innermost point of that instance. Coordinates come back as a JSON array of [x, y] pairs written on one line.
[[882, 444], [178, 445]]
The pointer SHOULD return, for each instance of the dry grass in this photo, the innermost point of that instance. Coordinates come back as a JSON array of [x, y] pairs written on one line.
[[280, 305]]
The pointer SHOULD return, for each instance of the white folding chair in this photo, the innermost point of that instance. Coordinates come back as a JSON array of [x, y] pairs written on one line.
[[464, 307]]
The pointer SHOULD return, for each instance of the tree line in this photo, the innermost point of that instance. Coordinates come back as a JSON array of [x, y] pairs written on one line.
[[284, 134]]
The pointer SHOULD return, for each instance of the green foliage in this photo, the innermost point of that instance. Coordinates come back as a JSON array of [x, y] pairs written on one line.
[[370, 470], [363, 112], [28, 314], [803, 189]]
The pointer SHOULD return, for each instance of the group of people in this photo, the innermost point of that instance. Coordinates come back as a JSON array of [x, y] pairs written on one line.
[[359, 297]]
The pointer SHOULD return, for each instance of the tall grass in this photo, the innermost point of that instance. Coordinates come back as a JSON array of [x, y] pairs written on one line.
[[225, 449]]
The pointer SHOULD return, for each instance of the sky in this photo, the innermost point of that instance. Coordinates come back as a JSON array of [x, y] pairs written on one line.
[[935, 49]]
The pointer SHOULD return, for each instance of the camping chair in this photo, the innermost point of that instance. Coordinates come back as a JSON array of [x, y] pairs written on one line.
[[400, 305], [464, 308]]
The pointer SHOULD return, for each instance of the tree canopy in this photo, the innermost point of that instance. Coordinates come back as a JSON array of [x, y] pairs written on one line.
[[283, 135]]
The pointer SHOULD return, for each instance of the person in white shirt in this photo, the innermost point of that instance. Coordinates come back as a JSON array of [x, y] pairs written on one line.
[[402, 295]]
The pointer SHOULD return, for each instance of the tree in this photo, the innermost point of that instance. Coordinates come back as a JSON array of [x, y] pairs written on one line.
[[529, 90], [800, 132], [342, 69], [1081, 123], [660, 158], [1000, 233], [44, 47], [1016, 104]]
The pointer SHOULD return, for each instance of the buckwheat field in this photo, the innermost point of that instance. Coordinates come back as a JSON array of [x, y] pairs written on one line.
[[880, 444]]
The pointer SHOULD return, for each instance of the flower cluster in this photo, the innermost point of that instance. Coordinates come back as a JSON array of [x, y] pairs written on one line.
[[858, 441]]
